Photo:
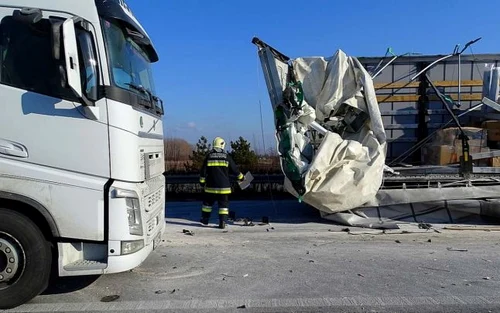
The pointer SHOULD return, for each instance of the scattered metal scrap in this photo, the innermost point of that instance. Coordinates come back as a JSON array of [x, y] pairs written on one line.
[[245, 221], [457, 249]]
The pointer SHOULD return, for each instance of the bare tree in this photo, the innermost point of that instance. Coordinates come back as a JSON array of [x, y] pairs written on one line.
[[177, 152]]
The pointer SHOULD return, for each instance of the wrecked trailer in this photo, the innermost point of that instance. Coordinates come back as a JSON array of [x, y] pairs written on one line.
[[355, 135]]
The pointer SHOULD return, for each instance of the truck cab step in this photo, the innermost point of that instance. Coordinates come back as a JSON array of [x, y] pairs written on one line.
[[81, 265]]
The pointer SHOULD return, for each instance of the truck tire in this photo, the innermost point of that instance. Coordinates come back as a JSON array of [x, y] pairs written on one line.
[[25, 259]]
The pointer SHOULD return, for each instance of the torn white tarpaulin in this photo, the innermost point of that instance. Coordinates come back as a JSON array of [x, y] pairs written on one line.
[[343, 168], [332, 146]]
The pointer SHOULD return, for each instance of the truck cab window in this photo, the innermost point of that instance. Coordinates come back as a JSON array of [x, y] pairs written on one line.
[[88, 64], [129, 63], [26, 58]]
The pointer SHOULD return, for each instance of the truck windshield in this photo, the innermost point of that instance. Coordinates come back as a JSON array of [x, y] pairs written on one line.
[[130, 65]]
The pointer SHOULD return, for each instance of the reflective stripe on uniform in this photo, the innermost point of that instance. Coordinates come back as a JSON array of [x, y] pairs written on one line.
[[223, 211], [240, 176], [218, 163], [202, 180], [219, 191], [207, 209]]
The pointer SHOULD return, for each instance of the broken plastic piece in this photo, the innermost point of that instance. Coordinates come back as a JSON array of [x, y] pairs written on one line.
[[110, 298]]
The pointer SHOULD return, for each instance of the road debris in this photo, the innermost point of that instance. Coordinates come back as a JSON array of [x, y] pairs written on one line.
[[434, 269], [159, 292], [311, 261], [242, 307], [487, 278], [429, 240], [110, 298], [361, 275], [188, 232], [173, 291], [397, 241], [473, 227], [246, 275], [457, 249], [246, 221], [423, 225]]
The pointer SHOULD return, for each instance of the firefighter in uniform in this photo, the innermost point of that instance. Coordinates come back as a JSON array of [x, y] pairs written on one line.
[[214, 177]]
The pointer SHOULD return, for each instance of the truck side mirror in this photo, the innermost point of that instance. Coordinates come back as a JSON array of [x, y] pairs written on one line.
[[71, 72], [71, 57]]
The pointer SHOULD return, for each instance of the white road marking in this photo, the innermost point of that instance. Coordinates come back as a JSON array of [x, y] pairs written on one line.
[[251, 303]]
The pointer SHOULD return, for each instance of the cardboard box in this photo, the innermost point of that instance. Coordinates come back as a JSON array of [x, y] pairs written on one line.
[[450, 136], [495, 162], [472, 149], [493, 129], [439, 155], [447, 154]]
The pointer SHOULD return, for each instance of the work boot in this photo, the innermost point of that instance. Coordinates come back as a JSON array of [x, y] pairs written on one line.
[[222, 224], [222, 221], [205, 217]]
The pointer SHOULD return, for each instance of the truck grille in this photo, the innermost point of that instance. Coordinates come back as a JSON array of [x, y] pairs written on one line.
[[152, 185], [154, 222], [152, 200]]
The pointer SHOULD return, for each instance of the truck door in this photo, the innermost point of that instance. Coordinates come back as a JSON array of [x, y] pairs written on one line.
[[51, 150]]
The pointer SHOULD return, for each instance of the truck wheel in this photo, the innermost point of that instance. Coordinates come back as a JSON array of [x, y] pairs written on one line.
[[25, 259]]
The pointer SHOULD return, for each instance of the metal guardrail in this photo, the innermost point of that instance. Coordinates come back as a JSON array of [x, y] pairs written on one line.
[[194, 179]]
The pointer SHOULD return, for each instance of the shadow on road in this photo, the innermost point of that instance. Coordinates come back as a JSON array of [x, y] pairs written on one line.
[[69, 284], [285, 211]]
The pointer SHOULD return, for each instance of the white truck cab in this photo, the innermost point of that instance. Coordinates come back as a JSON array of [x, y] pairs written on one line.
[[82, 190]]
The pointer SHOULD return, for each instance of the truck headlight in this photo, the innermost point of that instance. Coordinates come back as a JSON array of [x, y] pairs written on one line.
[[133, 210], [134, 217]]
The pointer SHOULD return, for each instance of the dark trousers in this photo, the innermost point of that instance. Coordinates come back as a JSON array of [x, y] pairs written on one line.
[[209, 200]]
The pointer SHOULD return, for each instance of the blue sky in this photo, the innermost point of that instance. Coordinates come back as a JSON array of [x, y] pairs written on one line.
[[209, 75]]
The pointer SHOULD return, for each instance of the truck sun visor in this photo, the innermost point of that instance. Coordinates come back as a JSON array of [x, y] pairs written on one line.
[[118, 10]]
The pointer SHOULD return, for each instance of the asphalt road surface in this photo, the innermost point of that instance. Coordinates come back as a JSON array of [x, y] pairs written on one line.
[[299, 264]]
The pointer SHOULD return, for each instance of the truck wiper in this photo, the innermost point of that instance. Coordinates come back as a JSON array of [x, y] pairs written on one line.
[[142, 90], [138, 88], [154, 99]]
